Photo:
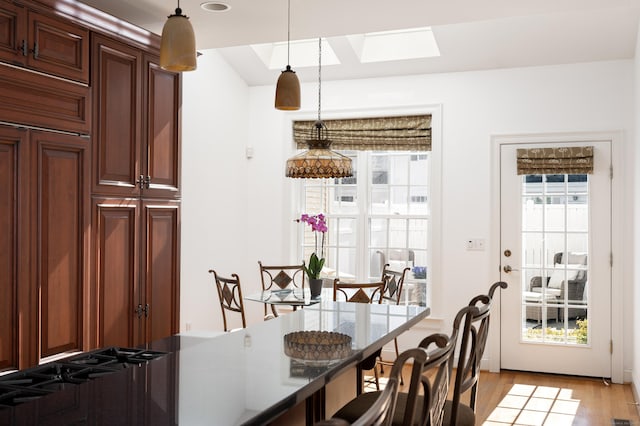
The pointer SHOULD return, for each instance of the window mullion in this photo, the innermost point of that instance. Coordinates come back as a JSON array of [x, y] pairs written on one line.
[[363, 240]]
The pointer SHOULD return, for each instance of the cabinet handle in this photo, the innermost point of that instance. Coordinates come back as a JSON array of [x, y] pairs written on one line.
[[146, 310], [147, 182], [35, 50], [139, 310], [140, 182], [24, 48]]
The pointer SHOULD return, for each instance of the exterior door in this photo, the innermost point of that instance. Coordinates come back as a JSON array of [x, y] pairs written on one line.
[[556, 257]]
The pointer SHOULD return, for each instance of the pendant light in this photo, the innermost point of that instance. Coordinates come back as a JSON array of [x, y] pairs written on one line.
[[178, 43], [319, 161], [288, 87]]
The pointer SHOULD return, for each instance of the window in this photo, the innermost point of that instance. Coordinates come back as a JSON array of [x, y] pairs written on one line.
[[379, 215]]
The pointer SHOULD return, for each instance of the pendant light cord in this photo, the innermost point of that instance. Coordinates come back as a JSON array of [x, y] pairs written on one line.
[[288, 30], [319, 75]]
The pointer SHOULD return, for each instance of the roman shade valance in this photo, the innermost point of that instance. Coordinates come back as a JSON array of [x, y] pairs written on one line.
[[563, 160], [404, 133]]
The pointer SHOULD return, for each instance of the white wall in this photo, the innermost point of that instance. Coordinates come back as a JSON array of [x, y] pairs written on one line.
[[214, 186], [635, 154], [475, 105]]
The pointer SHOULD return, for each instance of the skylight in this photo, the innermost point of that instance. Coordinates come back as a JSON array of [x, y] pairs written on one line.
[[304, 53], [397, 45]]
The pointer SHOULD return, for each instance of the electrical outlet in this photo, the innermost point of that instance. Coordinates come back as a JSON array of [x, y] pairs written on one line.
[[187, 326]]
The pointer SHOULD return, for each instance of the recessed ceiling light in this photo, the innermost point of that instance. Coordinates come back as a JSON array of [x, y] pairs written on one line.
[[215, 6]]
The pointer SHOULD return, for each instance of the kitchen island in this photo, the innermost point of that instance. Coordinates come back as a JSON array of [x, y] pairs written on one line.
[[243, 377]]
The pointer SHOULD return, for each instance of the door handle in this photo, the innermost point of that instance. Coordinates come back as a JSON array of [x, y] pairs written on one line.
[[507, 269]]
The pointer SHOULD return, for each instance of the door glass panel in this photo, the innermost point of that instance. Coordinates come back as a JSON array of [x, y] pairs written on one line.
[[555, 235]]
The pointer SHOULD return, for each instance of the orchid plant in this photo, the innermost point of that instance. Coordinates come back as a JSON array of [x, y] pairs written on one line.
[[318, 225]]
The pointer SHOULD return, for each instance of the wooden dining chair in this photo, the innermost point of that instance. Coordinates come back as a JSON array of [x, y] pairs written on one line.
[[361, 293], [230, 296], [393, 285], [424, 402], [275, 277], [358, 292], [473, 340], [380, 413]]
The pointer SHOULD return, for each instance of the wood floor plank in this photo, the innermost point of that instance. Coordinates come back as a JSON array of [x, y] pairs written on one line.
[[515, 398]]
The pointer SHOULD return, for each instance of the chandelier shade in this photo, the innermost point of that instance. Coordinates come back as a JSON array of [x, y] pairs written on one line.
[[178, 44], [319, 161], [288, 86]]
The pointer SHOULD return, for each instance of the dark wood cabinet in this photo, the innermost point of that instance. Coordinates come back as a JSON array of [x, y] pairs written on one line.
[[90, 178], [13, 29], [43, 43], [14, 247], [44, 244], [38, 100], [161, 268], [136, 165], [116, 260], [117, 111], [60, 175], [136, 110], [162, 148], [136, 270]]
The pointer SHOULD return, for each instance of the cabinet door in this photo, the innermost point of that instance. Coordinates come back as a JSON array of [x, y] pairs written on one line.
[[116, 235], [14, 272], [12, 33], [160, 268], [161, 156], [117, 90], [58, 47], [61, 176]]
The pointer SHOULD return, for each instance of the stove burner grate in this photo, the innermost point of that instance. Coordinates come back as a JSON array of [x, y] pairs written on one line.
[[33, 383]]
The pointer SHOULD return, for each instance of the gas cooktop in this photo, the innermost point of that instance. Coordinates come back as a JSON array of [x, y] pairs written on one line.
[[27, 385]]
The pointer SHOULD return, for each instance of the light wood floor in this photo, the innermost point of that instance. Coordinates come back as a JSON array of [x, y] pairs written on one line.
[[519, 398]]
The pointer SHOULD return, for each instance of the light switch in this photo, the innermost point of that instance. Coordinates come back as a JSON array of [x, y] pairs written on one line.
[[475, 244]]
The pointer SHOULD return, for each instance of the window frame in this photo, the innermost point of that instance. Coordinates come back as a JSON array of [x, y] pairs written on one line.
[[435, 289]]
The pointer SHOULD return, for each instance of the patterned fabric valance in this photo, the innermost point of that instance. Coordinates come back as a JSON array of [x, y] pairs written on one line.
[[406, 133], [567, 160]]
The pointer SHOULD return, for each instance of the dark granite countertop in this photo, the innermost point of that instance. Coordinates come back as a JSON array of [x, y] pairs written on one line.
[[243, 377]]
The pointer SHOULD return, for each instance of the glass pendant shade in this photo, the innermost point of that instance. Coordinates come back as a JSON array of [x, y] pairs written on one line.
[[178, 44], [319, 161], [288, 91]]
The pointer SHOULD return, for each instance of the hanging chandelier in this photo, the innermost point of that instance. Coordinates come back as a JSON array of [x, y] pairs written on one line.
[[288, 87], [178, 43], [319, 161]]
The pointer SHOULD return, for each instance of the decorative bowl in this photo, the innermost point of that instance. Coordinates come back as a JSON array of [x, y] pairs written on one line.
[[317, 347]]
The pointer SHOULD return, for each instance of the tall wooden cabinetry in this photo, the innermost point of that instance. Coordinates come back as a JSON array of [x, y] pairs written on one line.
[[45, 220], [89, 166], [15, 279], [136, 189], [43, 42]]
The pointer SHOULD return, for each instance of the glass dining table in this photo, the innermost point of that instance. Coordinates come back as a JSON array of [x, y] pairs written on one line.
[[288, 297]]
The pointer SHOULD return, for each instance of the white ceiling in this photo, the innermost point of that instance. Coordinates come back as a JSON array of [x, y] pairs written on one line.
[[471, 34]]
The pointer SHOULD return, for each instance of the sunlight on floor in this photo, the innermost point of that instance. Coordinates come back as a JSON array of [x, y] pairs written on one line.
[[535, 406]]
